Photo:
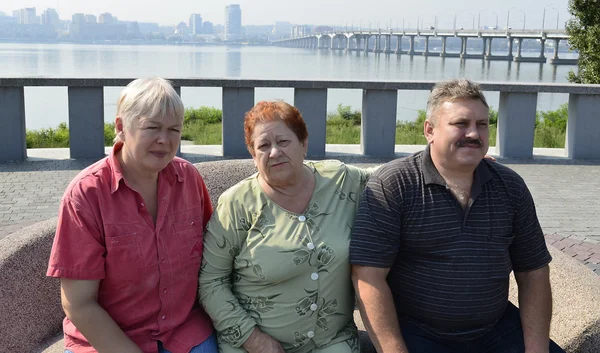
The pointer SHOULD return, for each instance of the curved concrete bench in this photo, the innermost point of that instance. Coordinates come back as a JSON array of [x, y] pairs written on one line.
[[32, 314]]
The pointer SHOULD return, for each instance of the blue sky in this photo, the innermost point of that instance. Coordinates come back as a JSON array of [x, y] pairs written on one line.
[[320, 12]]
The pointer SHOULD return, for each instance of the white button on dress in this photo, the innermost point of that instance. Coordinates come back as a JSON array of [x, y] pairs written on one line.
[[313, 307], [310, 334], [314, 276], [310, 246], [302, 219]]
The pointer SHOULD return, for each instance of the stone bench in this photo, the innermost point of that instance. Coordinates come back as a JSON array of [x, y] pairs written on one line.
[[32, 314]]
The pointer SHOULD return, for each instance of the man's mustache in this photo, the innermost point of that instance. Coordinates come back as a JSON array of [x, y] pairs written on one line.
[[469, 142]]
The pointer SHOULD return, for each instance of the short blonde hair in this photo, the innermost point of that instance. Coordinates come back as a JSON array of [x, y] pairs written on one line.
[[452, 91], [150, 98]]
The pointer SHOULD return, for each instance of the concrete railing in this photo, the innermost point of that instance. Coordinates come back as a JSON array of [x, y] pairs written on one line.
[[516, 119]]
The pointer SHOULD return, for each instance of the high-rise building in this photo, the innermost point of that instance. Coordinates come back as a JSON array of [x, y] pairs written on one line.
[[26, 16], [233, 22], [195, 24], [207, 28], [91, 19], [106, 18], [50, 17], [78, 18]]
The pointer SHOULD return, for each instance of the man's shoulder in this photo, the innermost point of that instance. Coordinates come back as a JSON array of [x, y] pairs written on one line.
[[504, 174], [402, 168]]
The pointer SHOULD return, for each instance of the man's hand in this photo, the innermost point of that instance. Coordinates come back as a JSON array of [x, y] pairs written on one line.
[[260, 342]]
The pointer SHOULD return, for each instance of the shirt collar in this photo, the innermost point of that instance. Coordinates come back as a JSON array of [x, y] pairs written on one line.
[[432, 176], [170, 172]]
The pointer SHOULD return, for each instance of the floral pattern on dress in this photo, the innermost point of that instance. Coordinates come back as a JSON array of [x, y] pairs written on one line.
[[255, 306], [258, 221]]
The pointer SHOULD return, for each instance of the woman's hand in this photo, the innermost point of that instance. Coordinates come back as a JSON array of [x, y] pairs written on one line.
[[260, 342]]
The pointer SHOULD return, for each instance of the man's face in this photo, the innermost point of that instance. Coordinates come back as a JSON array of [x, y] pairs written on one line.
[[459, 135]]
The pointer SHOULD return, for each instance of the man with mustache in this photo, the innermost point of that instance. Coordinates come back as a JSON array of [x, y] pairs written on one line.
[[437, 235]]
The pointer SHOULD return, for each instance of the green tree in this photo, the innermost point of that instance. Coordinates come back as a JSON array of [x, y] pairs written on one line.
[[584, 31]]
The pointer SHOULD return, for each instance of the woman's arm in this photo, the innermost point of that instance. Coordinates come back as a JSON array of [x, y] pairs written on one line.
[[222, 243], [79, 301]]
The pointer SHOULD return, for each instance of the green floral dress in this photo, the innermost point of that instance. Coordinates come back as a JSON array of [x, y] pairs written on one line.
[[286, 273]]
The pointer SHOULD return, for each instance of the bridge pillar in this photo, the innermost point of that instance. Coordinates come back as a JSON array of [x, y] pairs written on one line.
[[520, 43], [443, 53], [463, 49], [426, 51], [411, 50], [331, 43], [399, 44], [511, 42], [583, 126], [484, 45], [489, 48], [556, 43], [377, 43], [516, 124], [13, 136], [348, 42], [543, 47]]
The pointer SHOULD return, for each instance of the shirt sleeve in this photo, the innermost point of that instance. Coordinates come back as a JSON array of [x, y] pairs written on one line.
[[206, 204], [78, 248], [221, 245], [528, 251], [375, 238]]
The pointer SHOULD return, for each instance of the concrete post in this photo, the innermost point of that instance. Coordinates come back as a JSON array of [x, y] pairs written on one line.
[[489, 48], [331, 43], [411, 50], [426, 51], [312, 103], [377, 43], [510, 47], [583, 126], [366, 46], [178, 90], [516, 124], [399, 44], [348, 41], [520, 41], [13, 142], [543, 48], [484, 45], [236, 102], [463, 50], [86, 122], [378, 127], [556, 43]]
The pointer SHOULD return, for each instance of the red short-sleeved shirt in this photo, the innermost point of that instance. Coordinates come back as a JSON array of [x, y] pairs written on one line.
[[148, 275]]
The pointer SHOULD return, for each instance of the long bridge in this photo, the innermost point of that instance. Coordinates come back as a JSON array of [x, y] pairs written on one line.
[[360, 40]]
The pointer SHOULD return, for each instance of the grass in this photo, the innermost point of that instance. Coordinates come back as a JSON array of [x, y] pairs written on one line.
[[203, 127]]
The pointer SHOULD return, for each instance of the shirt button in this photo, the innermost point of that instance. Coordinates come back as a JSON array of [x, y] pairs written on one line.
[[302, 218], [313, 307], [192, 223], [164, 317], [164, 291], [314, 276], [142, 204], [310, 246], [310, 334]]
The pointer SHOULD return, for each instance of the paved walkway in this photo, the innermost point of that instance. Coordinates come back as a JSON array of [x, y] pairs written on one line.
[[567, 193]]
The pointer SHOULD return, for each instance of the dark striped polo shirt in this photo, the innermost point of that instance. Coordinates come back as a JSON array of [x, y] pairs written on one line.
[[449, 266]]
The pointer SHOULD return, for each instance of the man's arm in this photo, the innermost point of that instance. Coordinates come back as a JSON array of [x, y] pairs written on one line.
[[79, 301], [535, 305], [377, 308]]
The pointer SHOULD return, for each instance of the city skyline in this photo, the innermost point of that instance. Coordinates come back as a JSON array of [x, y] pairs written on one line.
[[334, 13]]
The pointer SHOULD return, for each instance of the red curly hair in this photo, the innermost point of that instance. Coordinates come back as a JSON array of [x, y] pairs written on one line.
[[265, 112]]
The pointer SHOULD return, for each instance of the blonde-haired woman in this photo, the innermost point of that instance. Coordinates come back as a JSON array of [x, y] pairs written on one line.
[[128, 244]]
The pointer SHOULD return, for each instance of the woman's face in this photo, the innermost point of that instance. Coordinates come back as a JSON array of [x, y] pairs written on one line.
[[278, 153], [150, 144]]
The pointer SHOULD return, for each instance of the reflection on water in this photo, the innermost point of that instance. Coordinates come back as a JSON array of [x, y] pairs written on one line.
[[68, 60]]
